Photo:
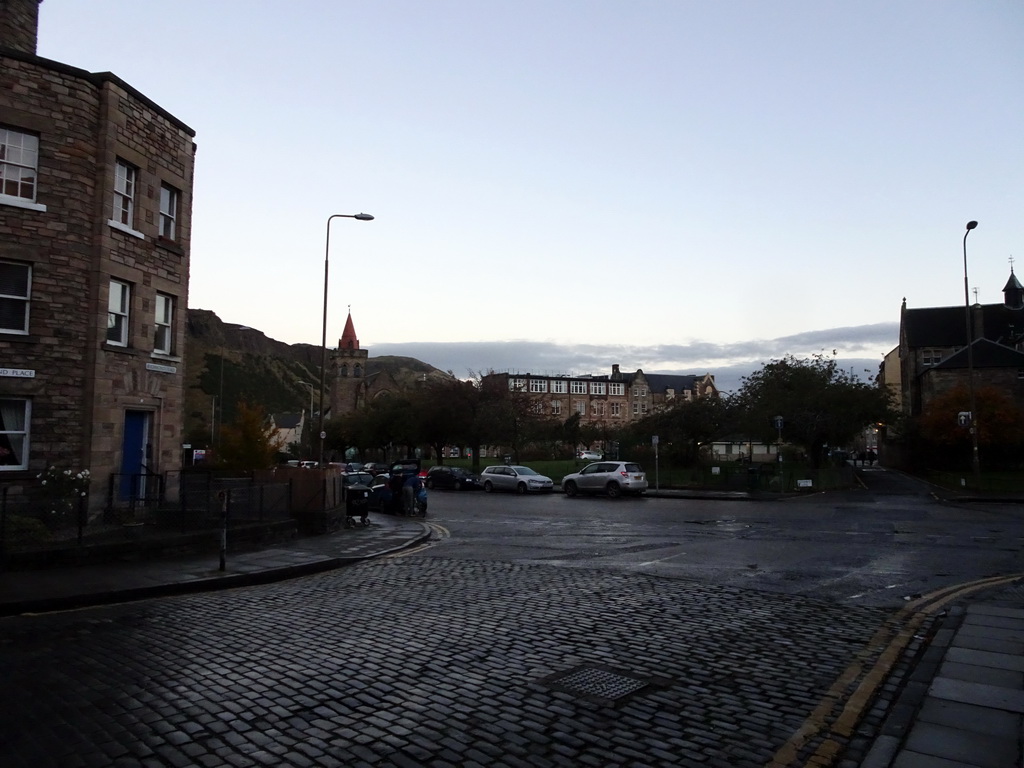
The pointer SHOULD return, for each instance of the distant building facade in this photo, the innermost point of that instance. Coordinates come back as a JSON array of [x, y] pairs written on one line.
[[95, 220], [610, 400]]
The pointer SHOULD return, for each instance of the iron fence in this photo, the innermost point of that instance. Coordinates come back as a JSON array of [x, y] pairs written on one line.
[[140, 508]]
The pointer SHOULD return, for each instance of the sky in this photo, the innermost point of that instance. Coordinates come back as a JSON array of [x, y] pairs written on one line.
[[680, 186]]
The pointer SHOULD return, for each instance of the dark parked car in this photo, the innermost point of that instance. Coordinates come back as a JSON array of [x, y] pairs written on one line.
[[452, 478]]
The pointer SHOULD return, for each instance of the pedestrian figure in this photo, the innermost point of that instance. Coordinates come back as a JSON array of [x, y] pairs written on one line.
[[412, 486], [871, 458]]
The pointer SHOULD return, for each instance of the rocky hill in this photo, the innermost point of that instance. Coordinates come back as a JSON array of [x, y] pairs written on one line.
[[226, 363]]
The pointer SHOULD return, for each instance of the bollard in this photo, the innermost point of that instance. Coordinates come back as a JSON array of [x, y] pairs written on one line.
[[225, 499]]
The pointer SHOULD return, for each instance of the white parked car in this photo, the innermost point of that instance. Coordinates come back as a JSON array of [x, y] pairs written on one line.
[[516, 478], [612, 477], [589, 455]]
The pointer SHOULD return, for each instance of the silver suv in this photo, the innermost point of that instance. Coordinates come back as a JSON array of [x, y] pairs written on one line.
[[612, 477]]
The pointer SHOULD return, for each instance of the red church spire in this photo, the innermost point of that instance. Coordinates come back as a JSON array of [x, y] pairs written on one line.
[[348, 338]]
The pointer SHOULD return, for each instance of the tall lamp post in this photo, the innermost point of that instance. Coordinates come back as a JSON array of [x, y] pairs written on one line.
[[309, 426], [975, 460], [323, 341]]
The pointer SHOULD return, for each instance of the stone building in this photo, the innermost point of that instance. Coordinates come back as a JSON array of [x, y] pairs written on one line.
[[95, 218], [613, 400], [931, 358]]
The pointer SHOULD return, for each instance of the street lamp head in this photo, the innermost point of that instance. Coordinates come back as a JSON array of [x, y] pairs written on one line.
[[971, 224], [368, 217]]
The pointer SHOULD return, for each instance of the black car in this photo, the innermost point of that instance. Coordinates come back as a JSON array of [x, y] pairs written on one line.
[[452, 478]]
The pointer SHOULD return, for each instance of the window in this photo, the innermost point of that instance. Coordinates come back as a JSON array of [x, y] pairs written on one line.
[[617, 389], [15, 282], [931, 357], [537, 408], [517, 385], [538, 385], [14, 420], [19, 159], [169, 198], [636, 409], [117, 313], [556, 407], [124, 193], [597, 409], [597, 387], [616, 409], [578, 387], [580, 406], [639, 391], [163, 341], [558, 387]]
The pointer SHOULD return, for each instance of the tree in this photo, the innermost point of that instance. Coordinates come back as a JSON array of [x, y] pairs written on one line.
[[1000, 425], [820, 404], [250, 442]]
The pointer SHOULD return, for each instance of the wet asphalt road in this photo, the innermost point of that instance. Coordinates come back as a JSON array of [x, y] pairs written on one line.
[[550, 641]]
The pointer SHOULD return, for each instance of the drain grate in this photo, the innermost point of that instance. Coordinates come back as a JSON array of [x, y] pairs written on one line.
[[597, 683]]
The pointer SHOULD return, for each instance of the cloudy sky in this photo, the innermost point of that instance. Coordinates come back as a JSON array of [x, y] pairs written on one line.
[[559, 185]]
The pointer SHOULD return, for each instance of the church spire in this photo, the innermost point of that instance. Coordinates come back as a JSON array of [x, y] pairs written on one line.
[[348, 338], [1013, 291]]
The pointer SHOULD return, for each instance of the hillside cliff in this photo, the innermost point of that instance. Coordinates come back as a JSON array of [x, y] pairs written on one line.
[[226, 363]]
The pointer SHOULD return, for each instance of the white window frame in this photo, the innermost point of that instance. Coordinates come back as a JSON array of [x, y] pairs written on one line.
[[170, 203], [517, 385], [556, 407], [13, 432], [19, 168], [616, 409], [636, 409], [559, 387], [580, 407], [598, 387], [163, 324], [11, 300], [126, 183], [617, 388], [539, 385], [931, 357], [578, 387], [119, 302]]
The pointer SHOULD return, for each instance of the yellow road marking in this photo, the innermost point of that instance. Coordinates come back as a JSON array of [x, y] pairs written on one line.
[[895, 634]]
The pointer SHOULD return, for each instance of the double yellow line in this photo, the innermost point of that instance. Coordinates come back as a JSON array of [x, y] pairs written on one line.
[[885, 647]]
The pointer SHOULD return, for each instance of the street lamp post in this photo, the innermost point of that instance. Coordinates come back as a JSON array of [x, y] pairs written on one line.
[[975, 460], [323, 341], [309, 426]]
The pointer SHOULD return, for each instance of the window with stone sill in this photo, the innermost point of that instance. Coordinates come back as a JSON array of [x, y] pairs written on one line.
[[118, 306], [538, 385], [19, 163], [15, 295], [578, 387], [15, 417], [163, 342], [559, 387], [125, 178], [169, 207], [617, 389]]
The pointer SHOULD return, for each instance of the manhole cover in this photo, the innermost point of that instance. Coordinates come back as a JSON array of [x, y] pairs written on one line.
[[597, 683]]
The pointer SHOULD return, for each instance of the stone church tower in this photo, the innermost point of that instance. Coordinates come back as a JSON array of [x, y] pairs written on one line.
[[348, 373]]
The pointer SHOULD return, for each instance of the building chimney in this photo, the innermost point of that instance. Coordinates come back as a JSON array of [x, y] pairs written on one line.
[[19, 25]]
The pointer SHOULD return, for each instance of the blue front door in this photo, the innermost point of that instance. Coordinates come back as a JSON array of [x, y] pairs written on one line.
[[133, 454]]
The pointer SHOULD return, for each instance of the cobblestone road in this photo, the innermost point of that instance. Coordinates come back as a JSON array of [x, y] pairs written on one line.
[[424, 661]]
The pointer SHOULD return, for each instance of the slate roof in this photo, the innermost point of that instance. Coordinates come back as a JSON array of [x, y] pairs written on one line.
[[947, 326], [287, 420], [986, 354], [660, 383]]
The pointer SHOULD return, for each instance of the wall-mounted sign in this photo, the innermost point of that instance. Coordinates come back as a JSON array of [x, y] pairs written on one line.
[[161, 368], [18, 373]]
